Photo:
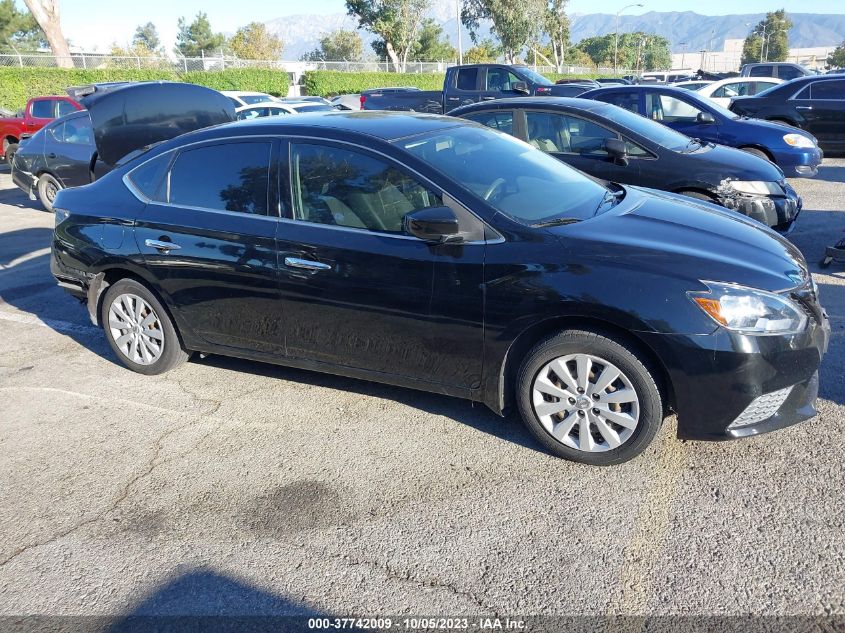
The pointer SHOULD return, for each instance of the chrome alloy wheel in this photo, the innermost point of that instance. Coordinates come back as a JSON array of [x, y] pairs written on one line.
[[586, 402], [136, 329]]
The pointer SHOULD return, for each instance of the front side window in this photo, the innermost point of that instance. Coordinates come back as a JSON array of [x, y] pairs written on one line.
[[42, 109], [500, 80], [499, 120], [828, 90], [467, 79], [224, 177], [789, 72], [566, 134], [64, 107], [669, 109], [735, 89], [513, 177], [342, 187], [252, 113]]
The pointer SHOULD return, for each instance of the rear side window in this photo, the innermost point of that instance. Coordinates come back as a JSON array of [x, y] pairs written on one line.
[[224, 177], [829, 90], [78, 131], [467, 79], [149, 177], [42, 109], [628, 100]]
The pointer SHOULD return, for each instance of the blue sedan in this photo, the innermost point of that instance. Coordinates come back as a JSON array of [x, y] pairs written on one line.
[[796, 152]]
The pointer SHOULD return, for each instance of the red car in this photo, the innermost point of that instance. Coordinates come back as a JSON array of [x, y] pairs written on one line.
[[39, 112]]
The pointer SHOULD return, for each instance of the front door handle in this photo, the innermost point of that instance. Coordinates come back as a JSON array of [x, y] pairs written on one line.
[[305, 264], [803, 107], [487, 98], [162, 247]]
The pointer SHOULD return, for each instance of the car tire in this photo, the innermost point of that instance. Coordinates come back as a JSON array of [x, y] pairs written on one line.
[[9, 154], [48, 187], [618, 427], [139, 329], [756, 152]]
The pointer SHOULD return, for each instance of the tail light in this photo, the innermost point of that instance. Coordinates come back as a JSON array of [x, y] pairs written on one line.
[[363, 99]]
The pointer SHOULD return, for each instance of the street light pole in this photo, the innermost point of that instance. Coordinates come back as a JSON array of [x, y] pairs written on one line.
[[683, 54], [458, 22], [616, 39]]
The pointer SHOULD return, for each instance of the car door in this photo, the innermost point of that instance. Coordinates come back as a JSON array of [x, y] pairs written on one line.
[[69, 150], [498, 83], [577, 141], [466, 88], [207, 235], [824, 111], [356, 290], [41, 112]]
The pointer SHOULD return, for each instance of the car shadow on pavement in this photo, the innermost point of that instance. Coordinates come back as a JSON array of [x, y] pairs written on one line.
[[472, 414], [831, 173], [204, 601]]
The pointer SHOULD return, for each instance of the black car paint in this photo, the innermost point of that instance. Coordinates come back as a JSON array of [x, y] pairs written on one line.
[[451, 97], [72, 164], [702, 170], [450, 318], [823, 118]]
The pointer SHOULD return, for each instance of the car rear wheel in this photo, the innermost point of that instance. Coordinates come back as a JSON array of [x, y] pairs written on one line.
[[48, 187], [589, 398], [139, 330], [756, 152], [11, 148]]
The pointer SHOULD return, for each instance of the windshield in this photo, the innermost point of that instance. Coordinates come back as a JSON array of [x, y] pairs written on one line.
[[515, 178], [310, 106], [652, 130], [535, 78], [253, 99], [707, 104]]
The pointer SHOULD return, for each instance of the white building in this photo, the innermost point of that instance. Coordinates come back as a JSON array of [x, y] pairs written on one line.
[[729, 58]]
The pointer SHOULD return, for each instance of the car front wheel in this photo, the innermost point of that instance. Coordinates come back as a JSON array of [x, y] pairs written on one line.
[[139, 330], [589, 398]]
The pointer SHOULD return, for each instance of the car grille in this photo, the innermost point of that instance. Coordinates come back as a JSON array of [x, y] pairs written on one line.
[[762, 408]]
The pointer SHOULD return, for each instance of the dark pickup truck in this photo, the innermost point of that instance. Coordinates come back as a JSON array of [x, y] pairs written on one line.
[[469, 84]]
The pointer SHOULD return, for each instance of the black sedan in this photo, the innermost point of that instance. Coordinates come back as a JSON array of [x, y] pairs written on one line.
[[815, 104], [615, 144], [433, 253], [61, 154]]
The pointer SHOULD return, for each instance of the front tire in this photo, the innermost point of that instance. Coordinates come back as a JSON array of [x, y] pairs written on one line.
[[48, 187], [11, 148], [139, 330], [756, 152], [588, 398]]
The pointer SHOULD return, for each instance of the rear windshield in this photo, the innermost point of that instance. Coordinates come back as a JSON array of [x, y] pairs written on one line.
[[515, 178]]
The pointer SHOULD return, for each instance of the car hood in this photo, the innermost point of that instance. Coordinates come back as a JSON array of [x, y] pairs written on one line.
[[772, 126], [736, 164], [672, 235], [129, 117]]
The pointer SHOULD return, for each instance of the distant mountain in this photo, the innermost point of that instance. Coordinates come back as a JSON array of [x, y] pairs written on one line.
[[302, 33]]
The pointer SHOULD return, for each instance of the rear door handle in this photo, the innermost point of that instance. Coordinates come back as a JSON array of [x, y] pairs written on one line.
[[803, 107], [162, 247], [487, 98], [305, 264]]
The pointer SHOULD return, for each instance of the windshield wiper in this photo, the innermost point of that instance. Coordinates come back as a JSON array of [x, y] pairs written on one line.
[[555, 222]]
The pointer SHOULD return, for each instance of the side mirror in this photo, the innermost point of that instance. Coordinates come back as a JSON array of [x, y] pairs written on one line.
[[434, 224], [617, 150], [705, 118], [520, 87]]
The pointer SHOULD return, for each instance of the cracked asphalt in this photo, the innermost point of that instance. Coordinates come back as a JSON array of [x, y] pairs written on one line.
[[232, 487]]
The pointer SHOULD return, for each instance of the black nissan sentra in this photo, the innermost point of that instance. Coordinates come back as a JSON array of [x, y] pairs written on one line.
[[434, 253]]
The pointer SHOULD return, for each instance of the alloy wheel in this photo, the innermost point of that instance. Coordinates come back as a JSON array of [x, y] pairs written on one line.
[[586, 402], [136, 329]]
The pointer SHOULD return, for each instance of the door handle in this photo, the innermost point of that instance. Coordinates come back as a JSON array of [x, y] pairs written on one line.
[[162, 247], [487, 98], [803, 107], [452, 98], [305, 264]]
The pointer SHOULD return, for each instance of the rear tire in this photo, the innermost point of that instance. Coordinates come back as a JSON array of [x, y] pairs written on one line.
[[11, 148], [588, 398], [756, 152], [48, 187], [139, 329]]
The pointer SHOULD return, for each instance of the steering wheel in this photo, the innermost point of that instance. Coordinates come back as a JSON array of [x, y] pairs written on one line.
[[494, 187]]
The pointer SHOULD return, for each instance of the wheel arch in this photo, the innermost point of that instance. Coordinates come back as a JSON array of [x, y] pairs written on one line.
[[529, 337], [760, 148]]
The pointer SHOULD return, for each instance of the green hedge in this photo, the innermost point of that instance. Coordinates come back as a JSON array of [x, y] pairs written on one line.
[[327, 83], [19, 84]]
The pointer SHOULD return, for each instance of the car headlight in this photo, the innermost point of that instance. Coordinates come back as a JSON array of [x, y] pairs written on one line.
[[799, 140], [750, 311], [757, 187]]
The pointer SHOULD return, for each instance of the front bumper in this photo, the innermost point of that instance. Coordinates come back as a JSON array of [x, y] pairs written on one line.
[[722, 381], [777, 212], [800, 163]]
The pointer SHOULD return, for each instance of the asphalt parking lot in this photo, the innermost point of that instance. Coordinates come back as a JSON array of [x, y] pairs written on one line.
[[240, 488]]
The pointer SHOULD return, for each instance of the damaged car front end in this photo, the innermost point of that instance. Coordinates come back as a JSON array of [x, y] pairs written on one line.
[[773, 203]]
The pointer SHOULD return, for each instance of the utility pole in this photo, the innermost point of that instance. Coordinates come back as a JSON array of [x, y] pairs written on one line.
[[458, 22], [616, 39]]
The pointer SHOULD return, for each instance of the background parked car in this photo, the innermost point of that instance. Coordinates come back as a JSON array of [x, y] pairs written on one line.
[[722, 92], [779, 70], [815, 104], [614, 144], [38, 112], [276, 108], [793, 150], [240, 98], [62, 154], [347, 102], [694, 84]]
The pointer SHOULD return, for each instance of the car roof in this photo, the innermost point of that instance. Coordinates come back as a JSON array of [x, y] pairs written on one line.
[[245, 93], [263, 104], [587, 105]]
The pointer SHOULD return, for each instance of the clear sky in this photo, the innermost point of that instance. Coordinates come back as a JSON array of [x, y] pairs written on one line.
[[93, 23]]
